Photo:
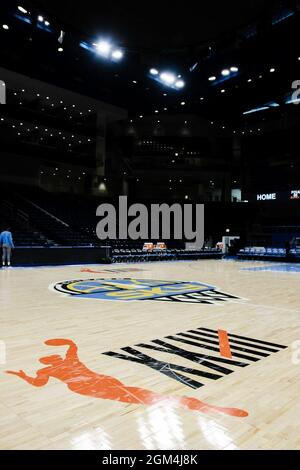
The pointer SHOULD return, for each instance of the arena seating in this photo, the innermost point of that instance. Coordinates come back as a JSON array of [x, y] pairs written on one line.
[[23, 234], [269, 254], [41, 219], [136, 255], [41, 215]]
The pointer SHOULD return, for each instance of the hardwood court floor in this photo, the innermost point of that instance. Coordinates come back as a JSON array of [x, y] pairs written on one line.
[[52, 416]]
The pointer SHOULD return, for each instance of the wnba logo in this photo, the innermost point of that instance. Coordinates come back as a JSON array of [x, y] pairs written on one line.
[[2, 92]]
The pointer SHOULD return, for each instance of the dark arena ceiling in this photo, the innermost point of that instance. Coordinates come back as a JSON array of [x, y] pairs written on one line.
[[157, 25], [196, 42]]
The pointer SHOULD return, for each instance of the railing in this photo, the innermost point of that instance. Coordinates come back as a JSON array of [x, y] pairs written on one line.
[[44, 211], [7, 207], [23, 216], [10, 210]]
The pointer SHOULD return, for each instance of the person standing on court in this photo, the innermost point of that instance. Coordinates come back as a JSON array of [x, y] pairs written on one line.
[[6, 241]]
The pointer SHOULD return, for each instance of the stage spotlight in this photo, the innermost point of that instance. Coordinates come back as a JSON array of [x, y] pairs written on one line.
[[60, 49], [103, 48], [5, 26], [40, 18], [22, 10], [168, 78], [47, 23], [225, 72], [179, 84], [117, 54], [234, 69], [212, 78]]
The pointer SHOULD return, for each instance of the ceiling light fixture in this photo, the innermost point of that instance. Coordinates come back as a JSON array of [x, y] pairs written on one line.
[[168, 78], [117, 54], [179, 84], [103, 48], [22, 10]]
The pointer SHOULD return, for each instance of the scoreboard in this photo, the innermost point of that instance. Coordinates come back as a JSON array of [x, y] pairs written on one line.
[[293, 194]]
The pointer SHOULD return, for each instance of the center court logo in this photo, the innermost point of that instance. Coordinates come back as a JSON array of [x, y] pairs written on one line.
[[144, 289]]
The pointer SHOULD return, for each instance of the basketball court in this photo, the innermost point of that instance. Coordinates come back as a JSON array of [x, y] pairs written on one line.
[[218, 331], [149, 230]]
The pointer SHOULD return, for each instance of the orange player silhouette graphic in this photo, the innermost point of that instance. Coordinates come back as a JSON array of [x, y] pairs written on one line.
[[82, 380]]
